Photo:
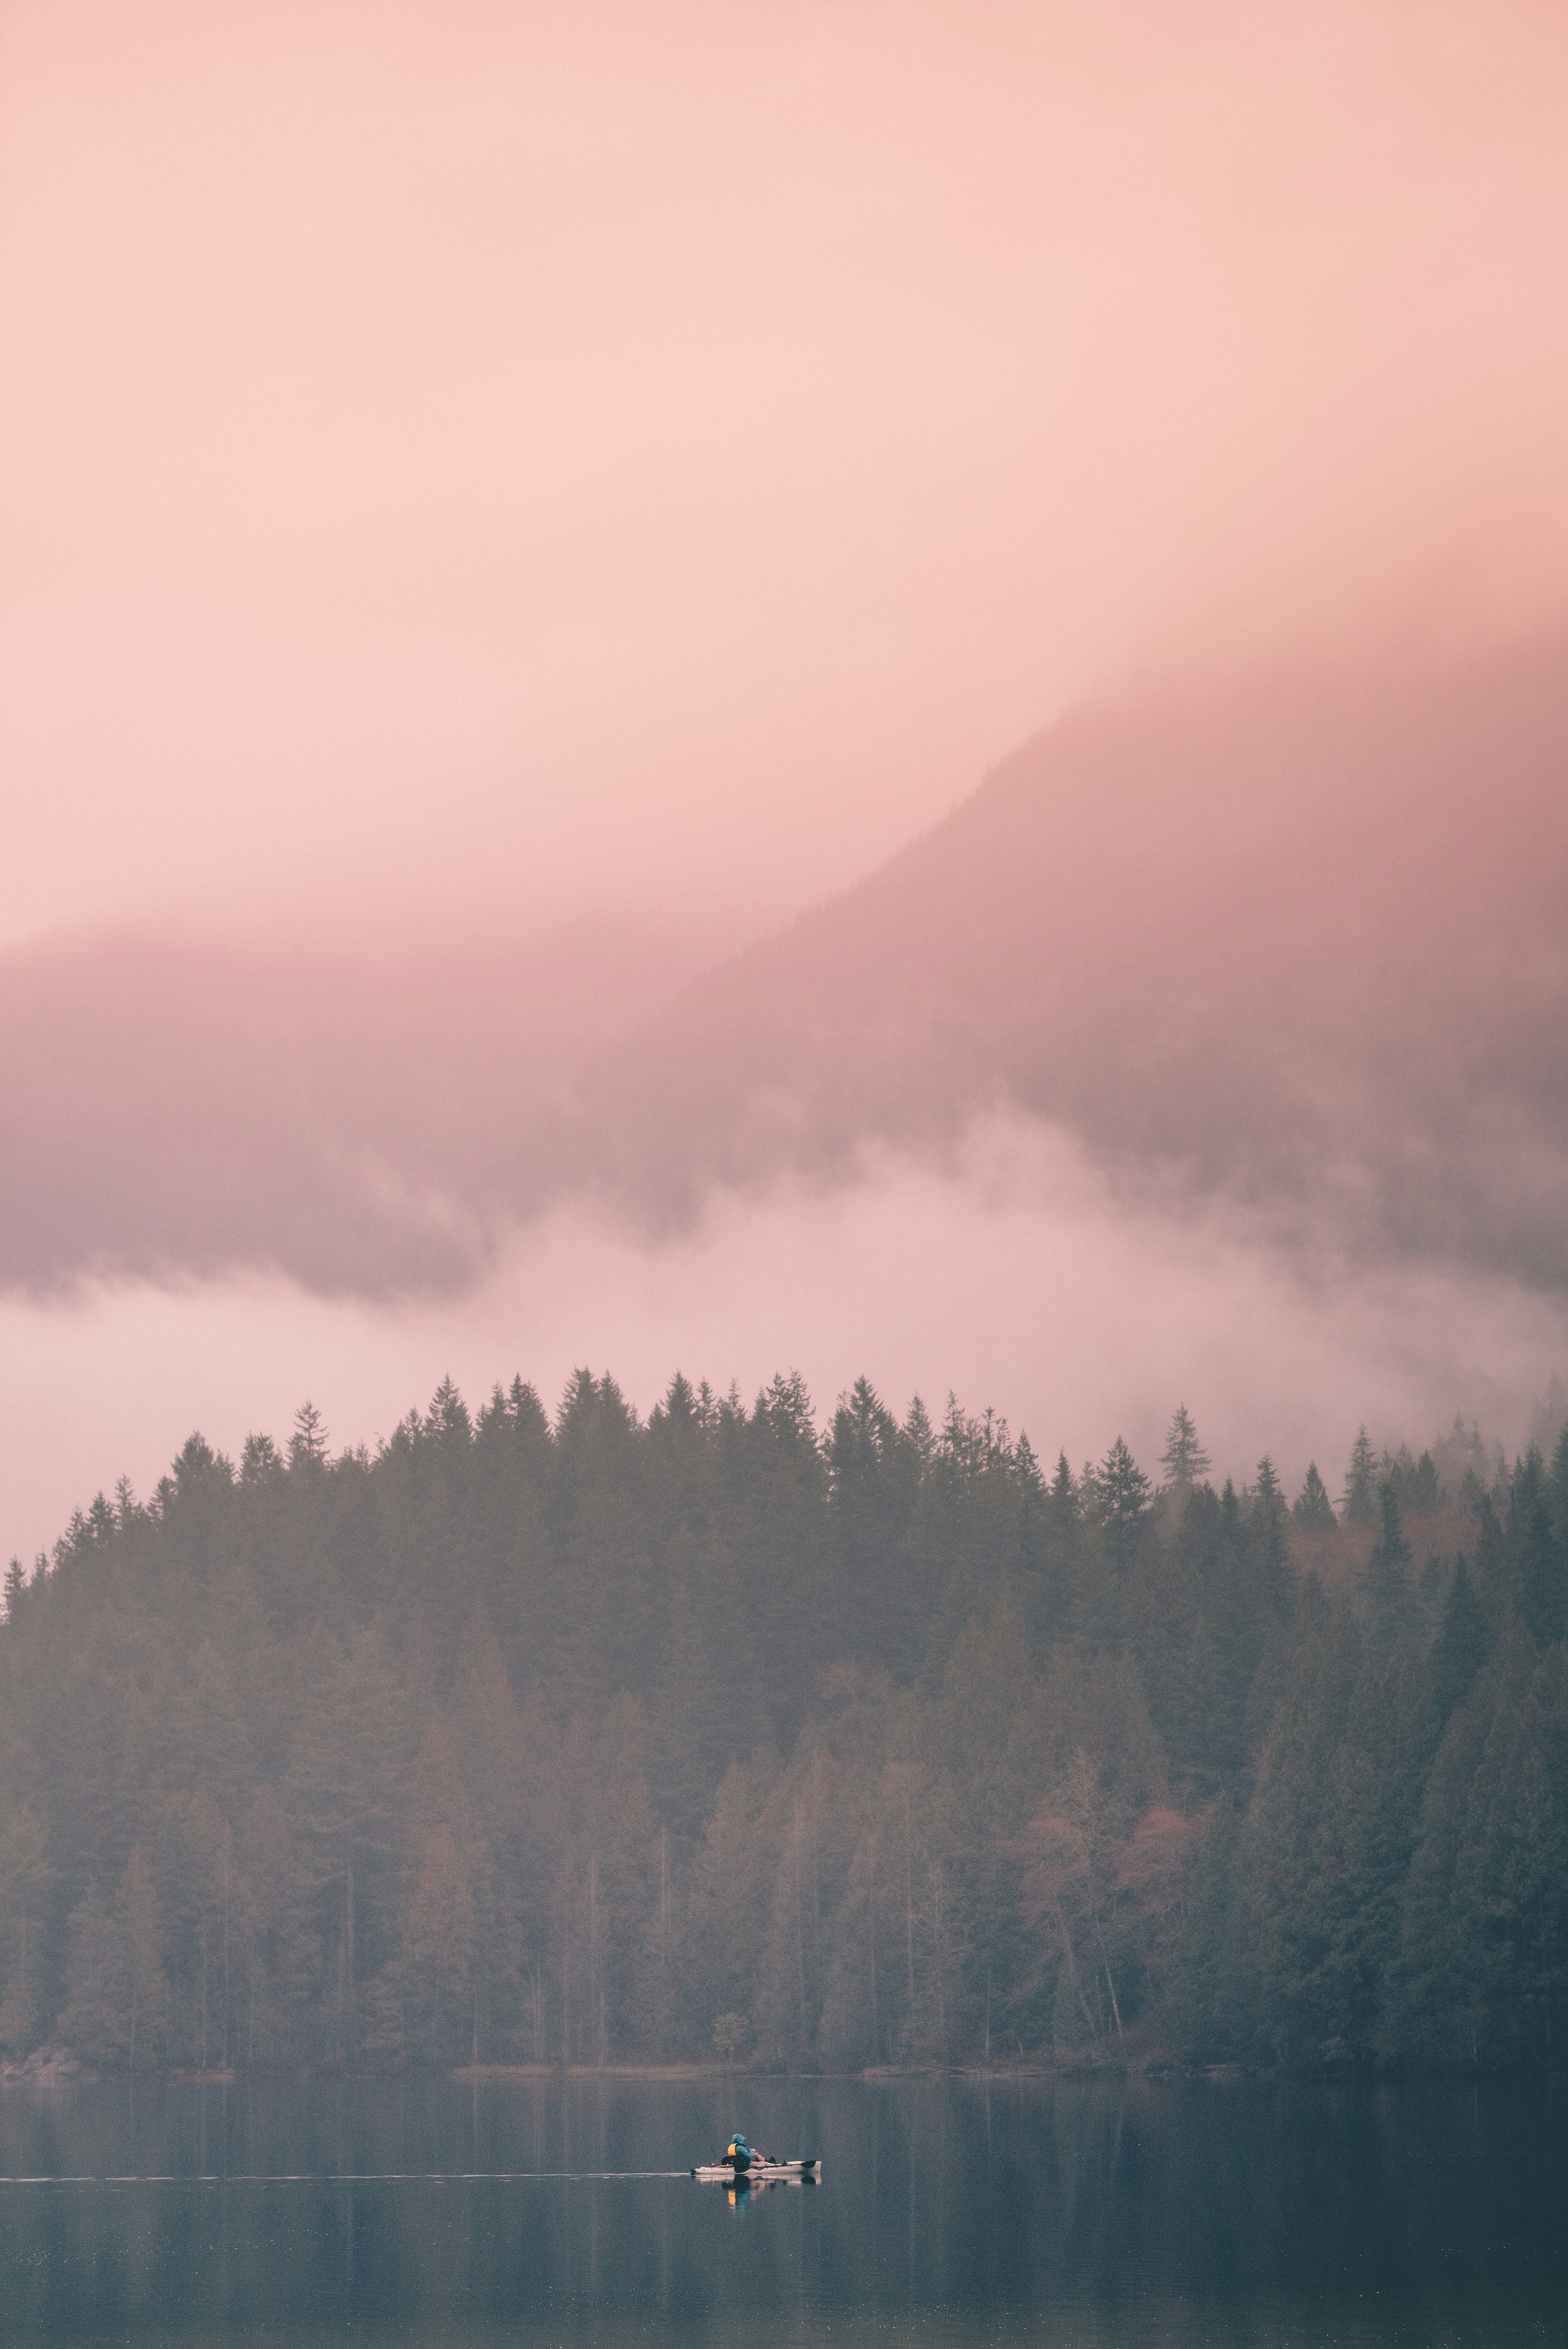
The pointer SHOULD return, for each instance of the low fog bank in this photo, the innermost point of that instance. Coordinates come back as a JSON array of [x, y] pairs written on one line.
[[1014, 1276]]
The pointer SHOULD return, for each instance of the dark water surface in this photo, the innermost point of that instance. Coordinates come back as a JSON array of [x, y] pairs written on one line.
[[949, 2212]]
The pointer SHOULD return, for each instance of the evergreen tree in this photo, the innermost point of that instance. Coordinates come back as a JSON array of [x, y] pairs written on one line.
[[25, 1881], [1123, 1493], [1281, 1921], [1512, 1863], [1463, 1644], [96, 2017], [147, 1989], [1537, 1561], [1363, 1851], [1434, 1999], [1423, 1493], [1527, 1852], [1062, 1493], [1270, 1516], [1312, 1509], [1361, 1484], [1212, 1987], [308, 1443], [1184, 1460], [346, 1780], [1237, 1614], [1558, 1490], [438, 1972], [1388, 1581]]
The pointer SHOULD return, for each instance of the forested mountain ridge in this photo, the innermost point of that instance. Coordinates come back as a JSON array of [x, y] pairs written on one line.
[[543, 1740]]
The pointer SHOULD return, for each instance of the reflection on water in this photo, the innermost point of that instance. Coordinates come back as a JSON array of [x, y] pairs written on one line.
[[950, 2211]]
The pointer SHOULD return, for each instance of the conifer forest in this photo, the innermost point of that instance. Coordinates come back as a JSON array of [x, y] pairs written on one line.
[[727, 1735]]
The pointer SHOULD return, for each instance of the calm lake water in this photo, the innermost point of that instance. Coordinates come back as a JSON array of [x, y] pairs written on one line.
[[949, 2212]]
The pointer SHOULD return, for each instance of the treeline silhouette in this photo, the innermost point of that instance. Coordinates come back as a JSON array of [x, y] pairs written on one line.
[[596, 1739]]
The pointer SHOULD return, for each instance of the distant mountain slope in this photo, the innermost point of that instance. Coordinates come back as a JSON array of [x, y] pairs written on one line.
[[1301, 942], [1299, 945], [363, 1123]]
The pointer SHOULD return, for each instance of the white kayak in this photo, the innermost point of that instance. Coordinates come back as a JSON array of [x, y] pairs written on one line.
[[757, 2173]]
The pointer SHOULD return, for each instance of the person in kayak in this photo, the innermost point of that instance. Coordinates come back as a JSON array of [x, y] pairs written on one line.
[[741, 2155]]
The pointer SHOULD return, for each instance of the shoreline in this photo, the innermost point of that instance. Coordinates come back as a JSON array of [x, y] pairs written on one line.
[[64, 2074]]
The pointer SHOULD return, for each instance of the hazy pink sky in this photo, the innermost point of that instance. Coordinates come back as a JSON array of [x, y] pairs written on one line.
[[463, 467], [459, 462]]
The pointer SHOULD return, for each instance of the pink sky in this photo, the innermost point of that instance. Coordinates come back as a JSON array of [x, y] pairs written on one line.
[[464, 468], [458, 463]]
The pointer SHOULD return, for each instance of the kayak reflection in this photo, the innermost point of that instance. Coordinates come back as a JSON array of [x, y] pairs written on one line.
[[744, 2188]]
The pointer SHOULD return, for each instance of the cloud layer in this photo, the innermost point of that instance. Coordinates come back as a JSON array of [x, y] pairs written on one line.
[[1289, 946], [1015, 1274]]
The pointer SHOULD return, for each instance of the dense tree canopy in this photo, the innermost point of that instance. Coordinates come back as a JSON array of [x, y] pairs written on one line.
[[544, 1740]]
